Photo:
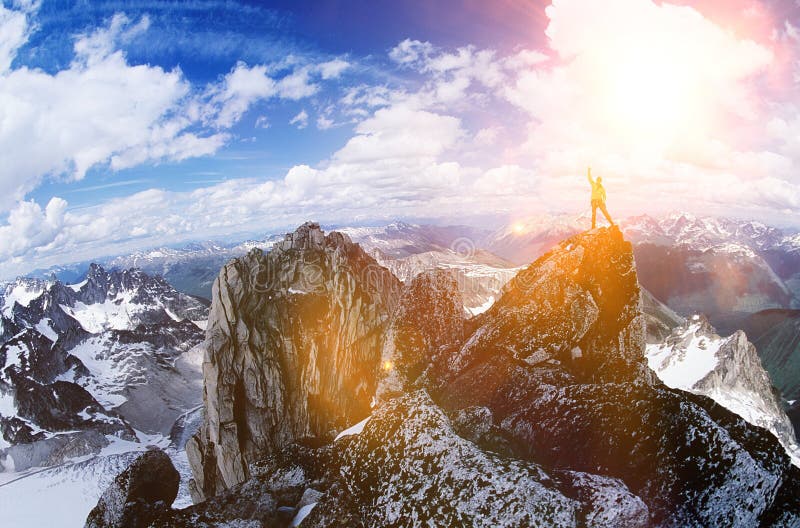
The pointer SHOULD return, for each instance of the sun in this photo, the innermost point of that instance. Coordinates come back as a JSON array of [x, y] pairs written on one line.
[[518, 228], [652, 97]]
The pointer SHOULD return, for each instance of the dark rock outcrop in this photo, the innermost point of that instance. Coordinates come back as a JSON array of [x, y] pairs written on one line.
[[293, 349], [138, 495], [578, 306], [409, 449], [429, 317], [559, 361]]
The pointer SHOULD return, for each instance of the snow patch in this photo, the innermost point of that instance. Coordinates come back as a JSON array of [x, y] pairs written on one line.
[[696, 358], [477, 310], [302, 514], [354, 430], [77, 287], [46, 330]]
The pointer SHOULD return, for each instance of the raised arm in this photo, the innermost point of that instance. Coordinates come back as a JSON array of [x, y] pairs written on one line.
[[589, 176]]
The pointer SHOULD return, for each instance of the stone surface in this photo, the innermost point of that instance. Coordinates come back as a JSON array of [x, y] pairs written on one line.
[[138, 495], [689, 460], [409, 468], [728, 370], [293, 349], [580, 304], [429, 316]]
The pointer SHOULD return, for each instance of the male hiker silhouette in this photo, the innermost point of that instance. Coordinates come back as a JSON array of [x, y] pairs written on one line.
[[598, 198]]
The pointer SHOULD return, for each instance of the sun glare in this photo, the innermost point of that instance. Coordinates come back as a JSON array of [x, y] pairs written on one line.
[[518, 228], [652, 98]]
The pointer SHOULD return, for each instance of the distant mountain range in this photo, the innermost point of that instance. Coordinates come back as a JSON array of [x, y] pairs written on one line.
[[90, 374]]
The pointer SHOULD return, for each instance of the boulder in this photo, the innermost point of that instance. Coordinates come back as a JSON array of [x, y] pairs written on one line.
[[138, 495]]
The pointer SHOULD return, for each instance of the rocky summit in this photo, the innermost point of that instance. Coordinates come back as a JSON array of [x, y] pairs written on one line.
[[292, 350], [541, 411]]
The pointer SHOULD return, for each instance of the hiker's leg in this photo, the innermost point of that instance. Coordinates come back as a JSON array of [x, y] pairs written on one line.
[[594, 213], [605, 212]]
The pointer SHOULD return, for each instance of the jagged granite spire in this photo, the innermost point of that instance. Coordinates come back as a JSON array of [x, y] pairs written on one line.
[[293, 350]]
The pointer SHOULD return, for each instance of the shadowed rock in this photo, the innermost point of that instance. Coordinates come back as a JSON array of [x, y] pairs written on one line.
[[138, 495]]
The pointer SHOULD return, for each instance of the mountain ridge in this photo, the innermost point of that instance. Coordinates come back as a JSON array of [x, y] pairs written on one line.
[[552, 378]]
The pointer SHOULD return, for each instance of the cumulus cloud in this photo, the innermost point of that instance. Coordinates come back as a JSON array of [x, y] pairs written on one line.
[[239, 89], [332, 69], [393, 162], [14, 32], [411, 52], [29, 227], [102, 110]]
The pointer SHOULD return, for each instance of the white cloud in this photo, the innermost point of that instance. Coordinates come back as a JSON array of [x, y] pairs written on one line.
[[481, 132], [505, 180], [400, 131], [324, 122], [102, 110], [300, 120], [411, 52], [262, 122], [98, 110], [487, 136], [238, 91], [14, 32], [105, 41], [31, 227], [332, 69]]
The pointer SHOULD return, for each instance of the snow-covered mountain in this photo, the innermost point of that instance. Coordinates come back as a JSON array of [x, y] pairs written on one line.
[[190, 269], [93, 370], [409, 249], [728, 370], [401, 239], [776, 336]]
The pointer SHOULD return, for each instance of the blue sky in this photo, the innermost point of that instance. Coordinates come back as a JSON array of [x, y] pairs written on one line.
[[134, 124], [205, 39]]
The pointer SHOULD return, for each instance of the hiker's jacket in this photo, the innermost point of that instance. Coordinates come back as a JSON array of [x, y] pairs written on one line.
[[598, 192]]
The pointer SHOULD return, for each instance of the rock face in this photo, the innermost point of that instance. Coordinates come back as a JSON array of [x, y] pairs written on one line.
[[293, 349], [456, 483], [540, 412], [415, 334], [660, 319], [138, 495], [559, 362], [776, 336], [577, 305], [728, 370]]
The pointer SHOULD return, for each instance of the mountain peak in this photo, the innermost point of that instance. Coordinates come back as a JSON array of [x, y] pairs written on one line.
[[311, 236], [579, 305], [296, 334]]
